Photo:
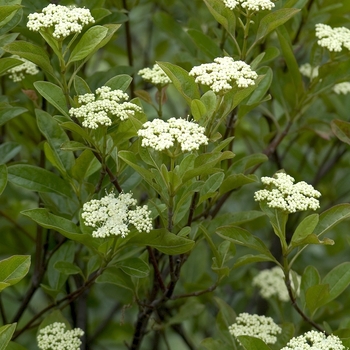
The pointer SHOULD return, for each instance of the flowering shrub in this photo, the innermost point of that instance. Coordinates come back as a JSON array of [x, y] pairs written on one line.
[[168, 165]]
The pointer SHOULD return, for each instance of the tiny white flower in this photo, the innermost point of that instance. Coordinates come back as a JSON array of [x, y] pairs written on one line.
[[251, 5], [283, 194], [161, 135], [98, 109], [308, 71], [154, 75], [271, 283], [261, 327], [57, 337], [342, 88], [112, 215], [334, 39], [314, 340], [18, 73], [63, 20], [223, 73]]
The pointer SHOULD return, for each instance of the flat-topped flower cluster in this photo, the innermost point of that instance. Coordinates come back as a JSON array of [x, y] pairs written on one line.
[[154, 75], [271, 283], [251, 5], [223, 73], [57, 337], [314, 340], [161, 135], [283, 194], [261, 327], [112, 215], [98, 109], [63, 20], [18, 73], [334, 39]]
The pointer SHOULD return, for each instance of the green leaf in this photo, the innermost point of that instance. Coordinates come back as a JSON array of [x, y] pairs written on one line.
[[210, 186], [7, 63], [274, 20], [6, 333], [85, 165], [81, 87], [198, 109], [8, 150], [235, 181], [73, 146], [15, 346], [134, 267], [116, 276], [6, 11], [338, 280], [13, 269], [243, 164], [56, 137], [213, 344], [78, 130], [66, 227], [305, 228], [67, 268], [53, 94], [7, 114], [314, 295], [341, 129], [222, 14], [31, 52], [250, 258], [3, 177], [88, 43], [205, 44], [241, 236], [183, 82], [252, 343], [119, 82], [37, 179], [331, 218], [164, 241], [225, 318]]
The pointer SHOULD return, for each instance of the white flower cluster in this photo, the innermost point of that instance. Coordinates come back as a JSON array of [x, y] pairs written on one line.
[[261, 327], [161, 135], [251, 5], [56, 337], [314, 340], [112, 215], [107, 103], [154, 75], [271, 283], [284, 194], [308, 71], [63, 20], [341, 88], [333, 38], [222, 73], [17, 73]]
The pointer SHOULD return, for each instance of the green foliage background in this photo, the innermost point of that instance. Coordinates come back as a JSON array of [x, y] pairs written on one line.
[[50, 166]]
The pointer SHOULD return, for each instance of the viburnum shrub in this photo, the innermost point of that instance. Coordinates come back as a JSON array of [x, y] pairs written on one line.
[[170, 172]]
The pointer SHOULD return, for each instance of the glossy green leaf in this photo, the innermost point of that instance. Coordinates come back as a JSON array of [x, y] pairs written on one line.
[[78, 130], [38, 179], [235, 181], [67, 268], [73, 146], [6, 333], [134, 267], [119, 82], [198, 109], [53, 94], [332, 217], [183, 82], [205, 44], [66, 227], [56, 137], [31, 52], [85, 165], [116, 276], [13, 269], [8, 150], [314, 295], [341, 129], [7, 114], [305, 228], [252, 343], [274, 20], [164, 241], [81, 87], [243, 164], [251, 259], [3, 177], [88, 43], [7, 63]]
